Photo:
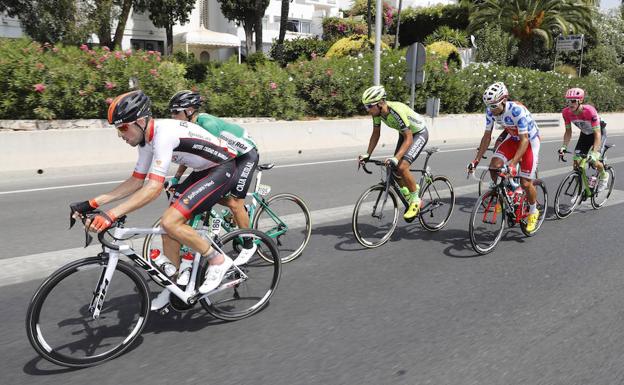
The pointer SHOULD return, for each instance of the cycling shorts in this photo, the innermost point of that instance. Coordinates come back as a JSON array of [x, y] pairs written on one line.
[[202, 189], [585, 143], [246, 165], [529, 160], [420, 140]]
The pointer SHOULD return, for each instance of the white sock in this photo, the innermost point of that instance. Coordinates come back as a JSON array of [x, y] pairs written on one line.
[[532, 208]]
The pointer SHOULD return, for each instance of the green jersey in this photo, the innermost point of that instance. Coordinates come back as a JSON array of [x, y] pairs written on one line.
[[401, 118], [235, 135]]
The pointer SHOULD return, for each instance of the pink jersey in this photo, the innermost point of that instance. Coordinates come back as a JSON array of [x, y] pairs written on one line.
[[585, 121]]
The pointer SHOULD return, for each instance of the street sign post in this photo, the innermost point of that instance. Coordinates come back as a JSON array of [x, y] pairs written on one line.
[[415, 73], [570, 43]]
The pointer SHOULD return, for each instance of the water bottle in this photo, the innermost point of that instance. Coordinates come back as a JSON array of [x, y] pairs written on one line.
[[592, 181], [517, 194], [185, 269], [162, 262], [406, 193], [227, 216]]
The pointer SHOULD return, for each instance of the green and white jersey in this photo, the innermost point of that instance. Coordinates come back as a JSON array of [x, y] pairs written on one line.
[[401, 118], [235, 135]]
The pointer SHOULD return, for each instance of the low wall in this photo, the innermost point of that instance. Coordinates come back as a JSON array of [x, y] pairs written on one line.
[[34, 145]]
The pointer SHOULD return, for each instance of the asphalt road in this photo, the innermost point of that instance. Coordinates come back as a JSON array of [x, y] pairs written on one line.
[[422, 309]]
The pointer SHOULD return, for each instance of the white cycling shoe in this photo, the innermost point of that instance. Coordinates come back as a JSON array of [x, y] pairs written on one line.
[[214, 275], [602, 184], [161, 300], [245, 255]]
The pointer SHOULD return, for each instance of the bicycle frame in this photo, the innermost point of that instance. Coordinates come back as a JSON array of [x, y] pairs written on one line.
[[581, 169], [514, 210], [112, 251]]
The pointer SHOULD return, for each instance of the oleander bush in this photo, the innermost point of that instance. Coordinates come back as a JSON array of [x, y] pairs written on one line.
[[300, 48]]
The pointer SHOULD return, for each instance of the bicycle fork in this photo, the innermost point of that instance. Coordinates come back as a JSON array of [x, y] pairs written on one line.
[[99, 294]]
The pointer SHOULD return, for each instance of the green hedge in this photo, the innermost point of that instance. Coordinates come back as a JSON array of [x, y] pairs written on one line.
[[418, 23], [45, 82]]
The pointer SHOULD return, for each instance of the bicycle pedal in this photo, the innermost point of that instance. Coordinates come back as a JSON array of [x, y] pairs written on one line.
[[164, 311]]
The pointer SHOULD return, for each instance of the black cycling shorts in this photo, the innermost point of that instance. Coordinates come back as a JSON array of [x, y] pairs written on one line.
[[202, 189], [586, 141], [420, 140], [246, 165]]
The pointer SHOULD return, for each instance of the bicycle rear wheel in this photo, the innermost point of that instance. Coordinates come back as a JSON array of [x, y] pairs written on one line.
[[487, 222], [59, 320], [285, 218], [542, 206], [438, 199], [599, 199], [568, 195], [374, 220], [246, 289]]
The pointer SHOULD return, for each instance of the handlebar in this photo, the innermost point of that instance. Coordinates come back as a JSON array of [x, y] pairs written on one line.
[[88, 238], [373, 161], [562, 156]]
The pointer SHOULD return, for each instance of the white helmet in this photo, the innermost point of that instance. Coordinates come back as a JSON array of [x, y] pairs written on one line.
[[495, 93]]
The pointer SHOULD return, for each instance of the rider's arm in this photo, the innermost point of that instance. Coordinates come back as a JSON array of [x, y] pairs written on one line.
[[180, 172], [483, 146], [597, 138], [150, 191], [408, 140], [568, 134], [522, 147], [372, 143], [126, 188]]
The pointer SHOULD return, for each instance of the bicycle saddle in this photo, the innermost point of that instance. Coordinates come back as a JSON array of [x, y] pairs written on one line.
[[266, 166]]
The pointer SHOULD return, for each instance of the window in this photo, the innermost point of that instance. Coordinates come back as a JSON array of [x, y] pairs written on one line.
[[204, 57], [148, 45], [301, 26]]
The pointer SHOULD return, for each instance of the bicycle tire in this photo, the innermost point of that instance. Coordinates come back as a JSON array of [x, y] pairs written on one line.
[[355, 222], [481, 186], [599, 199], [571, 184], [221, 304], [542, 206], [41, 340], [276, 231], [431, 196], [486, 202]]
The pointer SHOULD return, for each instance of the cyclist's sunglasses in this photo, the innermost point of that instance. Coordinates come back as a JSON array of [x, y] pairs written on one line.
[[572, 101], [123, 127], [494, 106], [175, 111], [369, 106]]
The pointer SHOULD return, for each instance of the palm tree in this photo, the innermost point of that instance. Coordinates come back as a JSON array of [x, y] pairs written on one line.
[[527, 19]]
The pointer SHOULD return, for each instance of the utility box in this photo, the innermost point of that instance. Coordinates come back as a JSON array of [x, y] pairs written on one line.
[[433, 107]]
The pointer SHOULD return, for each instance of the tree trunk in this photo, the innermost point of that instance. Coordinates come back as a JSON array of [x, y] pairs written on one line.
[[121, 26], [258, 30], [525, 53], [103, 14], [248, 27], [368, 18], [169, 31], [283, 21]]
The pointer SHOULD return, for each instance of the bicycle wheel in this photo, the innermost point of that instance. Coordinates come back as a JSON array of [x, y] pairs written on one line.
[[285, 218], [59, 321], [152, 241], [568, 195], [438, 200], [484, 179], [374, 220], [542, 206], [599, 199], [246, 289], [487, 222]]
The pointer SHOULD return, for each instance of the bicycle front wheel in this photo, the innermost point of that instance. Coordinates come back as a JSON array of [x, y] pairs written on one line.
[[599, 199], [246, 289], [542, 206], [568, 195], [438, 200], [487, 222], [375, 216], [60, 321], [285, 218], [484, 179]]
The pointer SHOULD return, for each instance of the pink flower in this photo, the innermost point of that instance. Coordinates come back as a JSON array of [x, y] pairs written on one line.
[[150, 52], [105, 48], [82, 92], [313, 55], [55, 50], [39, 87], [158, 58], [329, 72], [110, 85], [84, 47], [99, 66], [118, 55], [40, 66], [273, 85], [333, 94], [91, 52], [109, 101], [445, 68], [153, 71], [103, 59], [128, 52]]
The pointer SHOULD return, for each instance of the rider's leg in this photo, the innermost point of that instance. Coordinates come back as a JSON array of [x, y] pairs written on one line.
[[171, 248], [529, 189], [237, 206]]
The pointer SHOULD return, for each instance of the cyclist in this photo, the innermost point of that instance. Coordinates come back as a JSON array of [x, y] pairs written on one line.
[[413, 137], [161, 142], [593, 133], [184, 105], [520, 146]]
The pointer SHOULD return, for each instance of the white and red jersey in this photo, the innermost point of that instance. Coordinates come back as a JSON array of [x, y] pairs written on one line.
[[515, 119], [175, 141]]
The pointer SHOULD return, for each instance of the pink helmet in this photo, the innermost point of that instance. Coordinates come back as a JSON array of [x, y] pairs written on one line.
[[575, 93]]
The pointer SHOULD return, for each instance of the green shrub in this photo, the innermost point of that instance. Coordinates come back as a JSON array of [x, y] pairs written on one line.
[[195, 70], [445, 33], [600, 58], [352, 45], [617, 74], [495, 46], [566, 69], [335, 28], [305, 48], [418, 23], [255, 59]]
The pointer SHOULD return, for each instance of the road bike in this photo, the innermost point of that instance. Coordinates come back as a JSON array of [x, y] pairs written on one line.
[[285, 217], [375, 216], [505, 203], [577, 186], [91, 310], [484, 177]]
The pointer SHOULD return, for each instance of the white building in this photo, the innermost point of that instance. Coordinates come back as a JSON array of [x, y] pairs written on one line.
[[208, 34]]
